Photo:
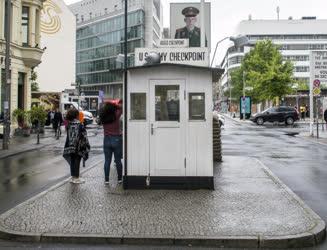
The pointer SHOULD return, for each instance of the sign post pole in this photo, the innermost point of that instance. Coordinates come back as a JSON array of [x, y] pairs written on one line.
[[317, 116], [311, 93], [6, 102]]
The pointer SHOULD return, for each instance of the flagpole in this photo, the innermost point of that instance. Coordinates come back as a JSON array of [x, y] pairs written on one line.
[[202, 14]]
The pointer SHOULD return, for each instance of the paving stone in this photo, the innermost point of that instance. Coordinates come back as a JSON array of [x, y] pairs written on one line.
[[245, 205]]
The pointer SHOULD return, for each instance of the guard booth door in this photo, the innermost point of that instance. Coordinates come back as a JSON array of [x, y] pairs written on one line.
[[167, 128]]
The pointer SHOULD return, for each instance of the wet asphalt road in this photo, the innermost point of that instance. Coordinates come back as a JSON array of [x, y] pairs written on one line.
[[24, 175], [299, 163]]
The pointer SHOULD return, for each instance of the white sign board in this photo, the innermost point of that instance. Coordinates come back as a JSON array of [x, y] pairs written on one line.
[[188, 56], [318, 67], [318, 77], [173, 43]]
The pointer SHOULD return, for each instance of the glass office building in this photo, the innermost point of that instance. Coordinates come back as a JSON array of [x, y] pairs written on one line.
[[100, 38]]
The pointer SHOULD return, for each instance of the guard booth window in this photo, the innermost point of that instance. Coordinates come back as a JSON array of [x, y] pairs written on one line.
[[138, 106], [167, 102], [196, 106]]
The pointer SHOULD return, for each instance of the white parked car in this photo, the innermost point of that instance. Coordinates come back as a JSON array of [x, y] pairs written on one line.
[[88, 117], [219, 117]]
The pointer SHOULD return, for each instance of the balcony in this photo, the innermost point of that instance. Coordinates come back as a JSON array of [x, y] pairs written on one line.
[[31, 56]]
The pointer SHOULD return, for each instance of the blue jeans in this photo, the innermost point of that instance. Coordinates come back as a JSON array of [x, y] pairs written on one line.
[[112, 145]]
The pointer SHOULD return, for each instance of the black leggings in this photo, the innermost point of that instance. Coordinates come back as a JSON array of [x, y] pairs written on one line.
[[74, 165]]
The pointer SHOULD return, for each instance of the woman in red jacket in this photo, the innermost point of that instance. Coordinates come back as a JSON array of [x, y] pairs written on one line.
[[112, 144]]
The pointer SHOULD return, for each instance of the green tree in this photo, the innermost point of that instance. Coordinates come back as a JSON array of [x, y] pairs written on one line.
[[264, 70], [34, 84]]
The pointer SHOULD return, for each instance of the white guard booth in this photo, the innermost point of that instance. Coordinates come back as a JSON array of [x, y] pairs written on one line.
[[169, 143]]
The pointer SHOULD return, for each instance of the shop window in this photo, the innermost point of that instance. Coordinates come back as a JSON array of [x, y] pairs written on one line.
[[138, 106], [196, 106]]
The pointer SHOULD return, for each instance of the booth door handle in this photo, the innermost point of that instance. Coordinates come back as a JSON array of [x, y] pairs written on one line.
[[152, 129]]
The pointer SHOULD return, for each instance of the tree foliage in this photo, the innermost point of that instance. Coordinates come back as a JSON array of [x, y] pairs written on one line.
[[34, 84], [264, 70], [37, 115]]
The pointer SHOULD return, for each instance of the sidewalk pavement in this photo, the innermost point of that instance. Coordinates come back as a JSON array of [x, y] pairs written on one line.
[[20, 145], [250, 207]]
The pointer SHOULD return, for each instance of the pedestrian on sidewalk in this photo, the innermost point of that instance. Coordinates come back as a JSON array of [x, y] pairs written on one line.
[[51, 116], [57, 121], [77, 145], [307, 111], [325, 117], [110, 115], [303, 112]]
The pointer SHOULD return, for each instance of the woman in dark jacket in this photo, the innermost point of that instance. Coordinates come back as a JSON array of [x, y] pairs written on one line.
[[76, 146], [112, 144], [57, 122]]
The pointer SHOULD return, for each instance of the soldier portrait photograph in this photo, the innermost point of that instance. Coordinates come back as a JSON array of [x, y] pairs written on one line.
[[188, 27]]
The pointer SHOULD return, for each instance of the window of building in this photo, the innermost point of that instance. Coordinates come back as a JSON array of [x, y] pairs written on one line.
[[2, 89], [21, 90], [235, 60], [138, 106], [298, 58], [25, 25], [196, 106], [301, 69]]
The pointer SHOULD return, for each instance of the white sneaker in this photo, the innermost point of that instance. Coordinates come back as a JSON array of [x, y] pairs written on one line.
[[120, 181], [78, 181], [106, 183], [72, 179]]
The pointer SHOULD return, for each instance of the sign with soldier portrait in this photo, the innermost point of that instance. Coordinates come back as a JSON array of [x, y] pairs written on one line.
[[185, 22]]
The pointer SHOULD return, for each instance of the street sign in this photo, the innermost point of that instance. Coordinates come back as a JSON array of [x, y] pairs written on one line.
[[316, 91], [173, 43], [316, 83], [187, 56]]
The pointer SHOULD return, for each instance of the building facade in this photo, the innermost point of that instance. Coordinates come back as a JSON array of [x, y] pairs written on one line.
[[100, 39], [25, 50], [58, 34], [296, 39]]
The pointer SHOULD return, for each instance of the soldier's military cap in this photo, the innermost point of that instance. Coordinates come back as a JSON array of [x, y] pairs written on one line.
[[190, 11]]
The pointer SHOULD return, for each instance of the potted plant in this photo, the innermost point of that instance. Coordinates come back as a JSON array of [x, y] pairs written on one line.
[[20, 116], [23, 127], [38, 116]]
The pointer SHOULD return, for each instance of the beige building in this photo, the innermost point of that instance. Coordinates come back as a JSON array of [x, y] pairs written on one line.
[[25, 49], [58, 34]]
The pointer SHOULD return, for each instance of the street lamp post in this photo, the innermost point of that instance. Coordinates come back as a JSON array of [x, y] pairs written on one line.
[[125, 94], [6, 103], [238, 41], [243, 101]]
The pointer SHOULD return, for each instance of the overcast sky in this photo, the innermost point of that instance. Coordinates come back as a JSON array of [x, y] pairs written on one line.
[[226, 14]]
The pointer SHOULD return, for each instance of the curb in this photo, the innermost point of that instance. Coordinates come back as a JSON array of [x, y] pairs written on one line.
[[24, 151], [32, 147], [312, 237], [313, 140]]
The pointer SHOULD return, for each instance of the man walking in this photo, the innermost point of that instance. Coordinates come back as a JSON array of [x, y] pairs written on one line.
[[325, 117]]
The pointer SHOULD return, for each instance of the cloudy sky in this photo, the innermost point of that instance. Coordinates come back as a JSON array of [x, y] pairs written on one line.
[[226, 14]]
